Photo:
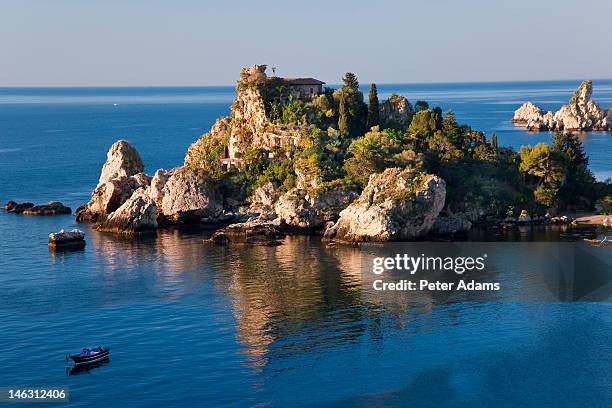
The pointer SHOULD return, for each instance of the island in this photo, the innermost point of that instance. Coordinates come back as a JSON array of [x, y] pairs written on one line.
[[295, 156], [581, 113]]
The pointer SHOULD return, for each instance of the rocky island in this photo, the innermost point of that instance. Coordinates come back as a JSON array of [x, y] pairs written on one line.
[[296, 157], [581, 113]]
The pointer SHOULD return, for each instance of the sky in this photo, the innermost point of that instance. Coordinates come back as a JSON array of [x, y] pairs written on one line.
[[206, 42]]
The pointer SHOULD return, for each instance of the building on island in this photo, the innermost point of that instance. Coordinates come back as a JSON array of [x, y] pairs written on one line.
[[304, 88]]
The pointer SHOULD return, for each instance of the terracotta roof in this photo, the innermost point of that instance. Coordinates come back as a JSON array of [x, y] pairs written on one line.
[[303, 81]]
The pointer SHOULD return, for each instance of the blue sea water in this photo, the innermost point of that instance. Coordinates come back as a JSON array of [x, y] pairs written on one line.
[[292, 325]]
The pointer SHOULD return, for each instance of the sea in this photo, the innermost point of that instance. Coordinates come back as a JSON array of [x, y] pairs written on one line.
[[297, 324]]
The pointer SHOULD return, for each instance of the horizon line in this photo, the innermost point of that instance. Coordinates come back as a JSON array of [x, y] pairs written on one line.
[[331, 84]]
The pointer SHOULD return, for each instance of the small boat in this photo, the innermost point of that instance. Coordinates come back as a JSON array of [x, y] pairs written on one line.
[[89, 355], [86, 368]]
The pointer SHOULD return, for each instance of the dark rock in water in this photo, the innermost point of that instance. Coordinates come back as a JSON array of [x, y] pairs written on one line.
[[51, 208], [219, 238], [252, 232], [14, 207], [67, 239], [450, 224]]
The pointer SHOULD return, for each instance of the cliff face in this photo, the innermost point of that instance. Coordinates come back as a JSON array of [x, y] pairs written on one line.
[[248, 125], [581, 113]]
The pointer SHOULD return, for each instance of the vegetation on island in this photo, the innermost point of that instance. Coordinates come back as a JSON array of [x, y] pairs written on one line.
[[344, 140]]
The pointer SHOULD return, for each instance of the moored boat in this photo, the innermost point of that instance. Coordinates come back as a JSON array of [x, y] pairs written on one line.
[[89, 355]]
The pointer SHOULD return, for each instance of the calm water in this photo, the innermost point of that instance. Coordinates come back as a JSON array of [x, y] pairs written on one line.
[[265, 326]]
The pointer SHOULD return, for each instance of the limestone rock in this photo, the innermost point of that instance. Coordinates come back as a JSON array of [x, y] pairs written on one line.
[[51, 208], [109, 196], [136, 215], [158, 182], [581, 113], [255, 231], [12, 206], [396, 204], [63, 239], [263, 199], [121, 160], [187, 197], [313, 208], [396, 109], [524, 217], [449, 224], [220, 127]]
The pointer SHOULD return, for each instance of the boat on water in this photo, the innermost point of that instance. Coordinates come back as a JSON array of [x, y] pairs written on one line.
[[89, 355]]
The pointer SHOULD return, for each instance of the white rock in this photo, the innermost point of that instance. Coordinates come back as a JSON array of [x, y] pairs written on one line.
[[121, 160], [396, 204]]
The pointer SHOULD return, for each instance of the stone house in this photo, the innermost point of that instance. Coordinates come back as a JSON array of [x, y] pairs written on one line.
[[304, 88]]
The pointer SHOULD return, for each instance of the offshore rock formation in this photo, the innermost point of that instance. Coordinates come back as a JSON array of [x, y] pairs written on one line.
[[51, 208], [109, 196], [580, 114], [14, 207], [396, 204], [253, 232], [132, 202], [138, 214], [121, 160], [67, 239]]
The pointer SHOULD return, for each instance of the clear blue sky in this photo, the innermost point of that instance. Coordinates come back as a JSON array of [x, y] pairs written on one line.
[[189, 42]]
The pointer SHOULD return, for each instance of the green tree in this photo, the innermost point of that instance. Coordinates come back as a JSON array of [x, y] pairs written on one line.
[[374, 152], [350, 81], [494, 141], [579, 184], [548, 168], [373, 107], [352, 111], [451, 129], [421, 105]]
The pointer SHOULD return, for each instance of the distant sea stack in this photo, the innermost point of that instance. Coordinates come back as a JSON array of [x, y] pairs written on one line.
[[581, 113]]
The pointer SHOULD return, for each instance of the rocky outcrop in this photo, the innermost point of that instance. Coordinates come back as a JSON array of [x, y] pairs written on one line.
[[137, 215], [109, 196], [67, 239], [121, 160], [396, 204], [580, 114], [396, 109], [607, 221], [255, 231], [450, 224], [158, 182], [524, 217], [51, 208], [188, 197], [263, 199], [313, 208], [135, 202], [12, 206]]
